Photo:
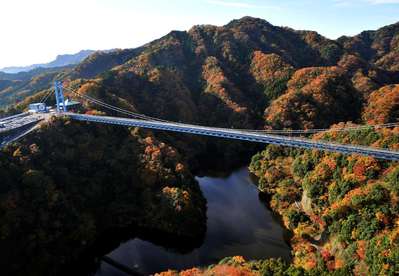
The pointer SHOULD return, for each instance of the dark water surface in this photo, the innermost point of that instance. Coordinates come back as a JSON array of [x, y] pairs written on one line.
[[238, 223]]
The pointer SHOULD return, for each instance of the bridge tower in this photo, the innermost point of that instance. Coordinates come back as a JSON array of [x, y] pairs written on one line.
[[59, 97]]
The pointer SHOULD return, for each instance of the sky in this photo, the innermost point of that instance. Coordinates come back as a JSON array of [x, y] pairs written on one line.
[[36, 31]]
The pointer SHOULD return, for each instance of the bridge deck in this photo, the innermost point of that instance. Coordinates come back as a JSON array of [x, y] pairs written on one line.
[[241, 135]]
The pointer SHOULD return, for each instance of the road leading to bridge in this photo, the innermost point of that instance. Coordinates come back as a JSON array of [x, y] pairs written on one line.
[[14, 127], [18, 121]]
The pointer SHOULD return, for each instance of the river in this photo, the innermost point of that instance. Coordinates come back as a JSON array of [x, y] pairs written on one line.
[[238, 223]]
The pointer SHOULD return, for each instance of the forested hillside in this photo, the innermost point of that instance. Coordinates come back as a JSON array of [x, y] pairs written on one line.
[[16, 88], [342, 211], [69, 185]]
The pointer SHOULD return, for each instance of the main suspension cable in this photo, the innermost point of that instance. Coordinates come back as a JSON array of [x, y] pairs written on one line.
[[114, 108], [265, 131]]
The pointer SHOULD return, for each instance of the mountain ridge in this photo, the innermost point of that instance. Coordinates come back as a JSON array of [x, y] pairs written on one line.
[[250, 74], [59, 61]]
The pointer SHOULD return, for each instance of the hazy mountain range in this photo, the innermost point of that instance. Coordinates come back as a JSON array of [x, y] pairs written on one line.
[[60, 61]]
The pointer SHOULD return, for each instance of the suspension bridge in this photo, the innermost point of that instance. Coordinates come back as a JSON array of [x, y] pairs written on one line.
[[24, 123]]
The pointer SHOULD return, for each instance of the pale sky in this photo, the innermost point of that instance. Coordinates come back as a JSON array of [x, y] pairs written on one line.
[[35, 31]]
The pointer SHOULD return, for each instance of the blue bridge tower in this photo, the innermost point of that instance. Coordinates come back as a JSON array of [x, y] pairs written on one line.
[[59, 97]]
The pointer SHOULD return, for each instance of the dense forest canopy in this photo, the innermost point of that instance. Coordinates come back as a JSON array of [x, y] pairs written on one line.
[[65, 186], [342, 210]]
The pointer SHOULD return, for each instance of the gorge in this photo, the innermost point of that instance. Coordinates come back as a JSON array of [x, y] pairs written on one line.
[[69, 187]]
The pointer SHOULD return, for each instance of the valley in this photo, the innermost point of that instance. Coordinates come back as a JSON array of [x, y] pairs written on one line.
[[69, 186]]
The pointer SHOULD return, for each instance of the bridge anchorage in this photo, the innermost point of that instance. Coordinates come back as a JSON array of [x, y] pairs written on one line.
[[275, 137]]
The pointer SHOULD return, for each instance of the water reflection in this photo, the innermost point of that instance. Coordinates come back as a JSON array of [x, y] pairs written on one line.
[[238, 224]]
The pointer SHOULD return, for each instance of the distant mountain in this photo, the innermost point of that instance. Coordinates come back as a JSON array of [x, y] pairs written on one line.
[[19, 86], [380, 47], [60, 61]]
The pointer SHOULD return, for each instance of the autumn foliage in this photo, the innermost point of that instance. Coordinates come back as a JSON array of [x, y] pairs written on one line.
[[316, 97], [248, 74], [70, 182], [342, 210], [383, 106]]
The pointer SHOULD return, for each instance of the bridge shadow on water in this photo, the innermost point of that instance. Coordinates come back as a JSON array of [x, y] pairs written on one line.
[[14, 259], [90, 262]]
